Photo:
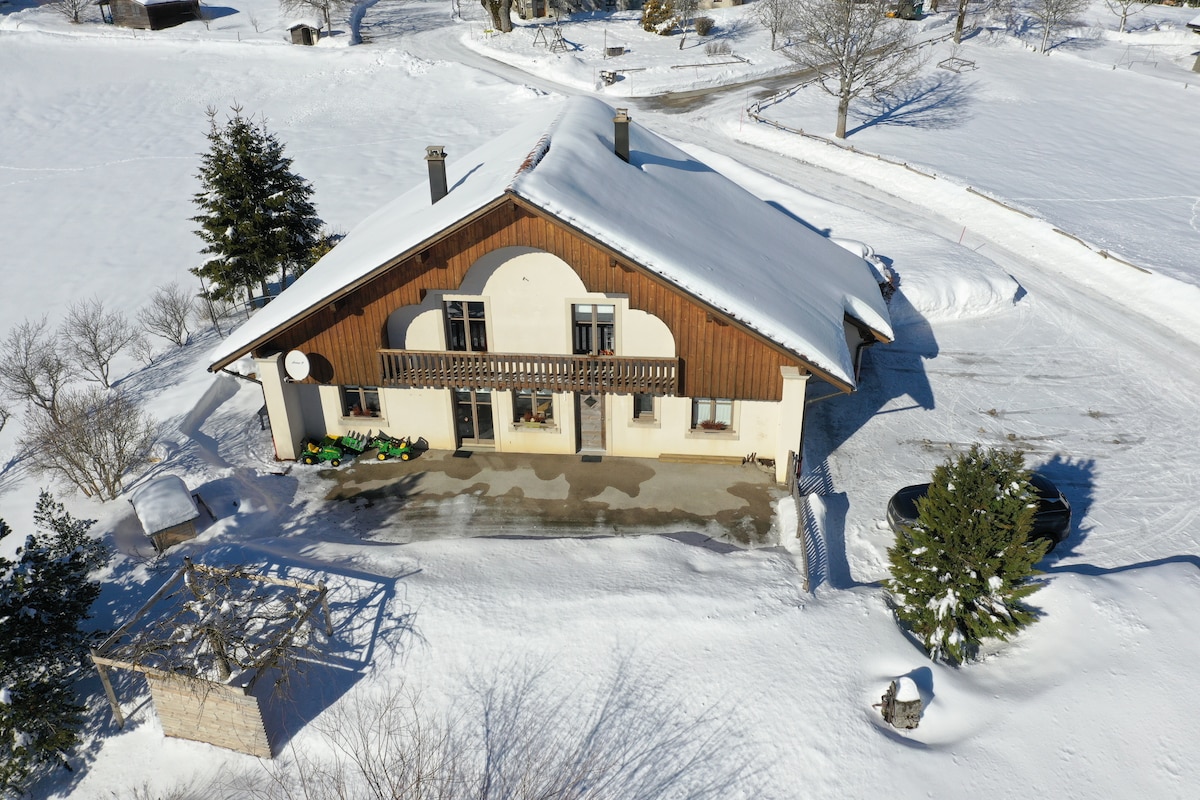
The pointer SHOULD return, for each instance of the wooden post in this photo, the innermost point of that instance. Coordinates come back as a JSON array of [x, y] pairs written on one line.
[[108, 690]]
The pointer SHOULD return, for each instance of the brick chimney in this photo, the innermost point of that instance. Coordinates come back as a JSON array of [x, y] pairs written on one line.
[[436, 157], [621, 134]]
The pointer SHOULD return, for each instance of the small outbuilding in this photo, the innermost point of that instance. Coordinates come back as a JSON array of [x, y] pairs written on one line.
[[305, 32], [149, 14], [167, 511]]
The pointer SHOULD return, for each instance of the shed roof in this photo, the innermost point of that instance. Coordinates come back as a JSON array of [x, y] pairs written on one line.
[[663, 210], [163, 503]]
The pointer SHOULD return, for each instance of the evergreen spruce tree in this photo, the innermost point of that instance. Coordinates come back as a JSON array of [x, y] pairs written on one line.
[[44, 596], [961, 574], [256, 216]]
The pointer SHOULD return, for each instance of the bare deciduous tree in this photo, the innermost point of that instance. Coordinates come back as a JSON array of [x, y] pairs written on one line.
[[95, 437], [169, 313], [32, 368], [326, 8], [517, 741], [775, 16], [501, 13], [94, 336], [1126, 9], [854, 49], [1054, 15], [5, 416], [71, 9]]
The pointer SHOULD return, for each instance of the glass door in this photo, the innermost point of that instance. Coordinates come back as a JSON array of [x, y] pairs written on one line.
[[473, 417]]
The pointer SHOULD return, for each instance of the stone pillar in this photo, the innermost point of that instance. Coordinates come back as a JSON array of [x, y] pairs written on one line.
[[791, 418], [283, 407]]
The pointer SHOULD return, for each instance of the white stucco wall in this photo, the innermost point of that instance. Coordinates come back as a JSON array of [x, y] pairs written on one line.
[[528, 295]]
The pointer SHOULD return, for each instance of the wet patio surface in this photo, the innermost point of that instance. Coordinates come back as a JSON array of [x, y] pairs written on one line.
[[556, 495]]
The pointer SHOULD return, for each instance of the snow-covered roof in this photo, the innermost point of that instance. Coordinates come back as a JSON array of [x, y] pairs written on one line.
[[1195, 24], [664, 210], [163, 503]]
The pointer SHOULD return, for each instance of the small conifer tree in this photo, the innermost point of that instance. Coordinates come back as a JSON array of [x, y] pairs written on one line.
[[256, 217], [961, 574], [44, 597]]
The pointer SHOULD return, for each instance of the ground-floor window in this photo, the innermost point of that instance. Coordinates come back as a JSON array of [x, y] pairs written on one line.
[[533, 405], [643, 407], [712, 413], [360, 401]]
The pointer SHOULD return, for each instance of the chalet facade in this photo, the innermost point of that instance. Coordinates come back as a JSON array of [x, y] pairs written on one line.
[[576, 285]]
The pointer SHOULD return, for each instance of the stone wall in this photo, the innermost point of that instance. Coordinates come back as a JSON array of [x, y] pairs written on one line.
[[222, 715]]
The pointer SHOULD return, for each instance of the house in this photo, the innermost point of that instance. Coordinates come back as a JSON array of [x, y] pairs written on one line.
[[152, 14], [577, 284], [166, 510]]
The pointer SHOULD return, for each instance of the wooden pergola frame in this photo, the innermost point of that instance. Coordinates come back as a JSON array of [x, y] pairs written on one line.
[[102, 655]]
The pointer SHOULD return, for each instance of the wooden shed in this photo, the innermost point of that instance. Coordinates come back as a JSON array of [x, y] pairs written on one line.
[[149, 14], [166, 510], [305, 32]]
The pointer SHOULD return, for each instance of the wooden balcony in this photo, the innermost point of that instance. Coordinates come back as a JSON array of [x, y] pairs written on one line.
[[455, 370]]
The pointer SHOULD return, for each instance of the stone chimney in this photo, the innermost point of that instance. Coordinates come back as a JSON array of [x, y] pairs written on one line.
[[621, 134], [436, 156]]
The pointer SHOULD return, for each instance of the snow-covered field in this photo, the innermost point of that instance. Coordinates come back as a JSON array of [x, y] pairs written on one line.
[[1008, 332]]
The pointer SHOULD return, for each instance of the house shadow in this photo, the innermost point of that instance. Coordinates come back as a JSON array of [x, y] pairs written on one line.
[[933, 103], [889, 373], [211, 13]]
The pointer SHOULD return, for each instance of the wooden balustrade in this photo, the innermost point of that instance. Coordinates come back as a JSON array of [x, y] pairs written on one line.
[[462, 370]]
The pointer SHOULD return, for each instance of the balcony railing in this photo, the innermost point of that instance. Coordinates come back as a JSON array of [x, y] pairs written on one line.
[[455, 370]]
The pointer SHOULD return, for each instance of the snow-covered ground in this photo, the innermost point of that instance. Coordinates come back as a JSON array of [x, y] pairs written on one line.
[[1008, 332]]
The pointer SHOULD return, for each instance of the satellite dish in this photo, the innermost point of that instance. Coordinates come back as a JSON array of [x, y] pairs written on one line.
[[296, 364]]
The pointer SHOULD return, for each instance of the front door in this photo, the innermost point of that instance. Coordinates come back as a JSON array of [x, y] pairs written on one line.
[[473, 417], [589, 413]]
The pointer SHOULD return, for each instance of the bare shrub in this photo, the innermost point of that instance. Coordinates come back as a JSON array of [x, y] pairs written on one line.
[[169, 313], [73, 10], [94, 336], [717, 49], [704, 25], [32, 368], [95, 437], [518, 741]]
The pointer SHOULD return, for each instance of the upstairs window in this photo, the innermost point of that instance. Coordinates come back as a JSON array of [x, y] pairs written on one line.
[[466, 326], [594, 331]]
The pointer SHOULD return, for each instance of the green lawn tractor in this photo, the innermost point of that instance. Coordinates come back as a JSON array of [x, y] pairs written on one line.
[[392, 447], [333, 449]]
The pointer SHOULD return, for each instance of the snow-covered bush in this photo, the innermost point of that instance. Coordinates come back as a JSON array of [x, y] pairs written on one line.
[[961, 574], [658, 16], [44, 596]]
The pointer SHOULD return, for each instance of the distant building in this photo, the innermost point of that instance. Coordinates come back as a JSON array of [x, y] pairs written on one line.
[[149, 14], [308, 33], [578, 284]]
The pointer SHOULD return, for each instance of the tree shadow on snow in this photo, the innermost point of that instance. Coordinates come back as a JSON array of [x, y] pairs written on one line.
[[934, 103]]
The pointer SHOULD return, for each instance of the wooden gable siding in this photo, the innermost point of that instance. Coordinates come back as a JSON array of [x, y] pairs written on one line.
[[342, 339]]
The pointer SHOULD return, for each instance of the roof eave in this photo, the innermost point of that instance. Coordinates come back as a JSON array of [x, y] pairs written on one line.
[[353, 286]]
